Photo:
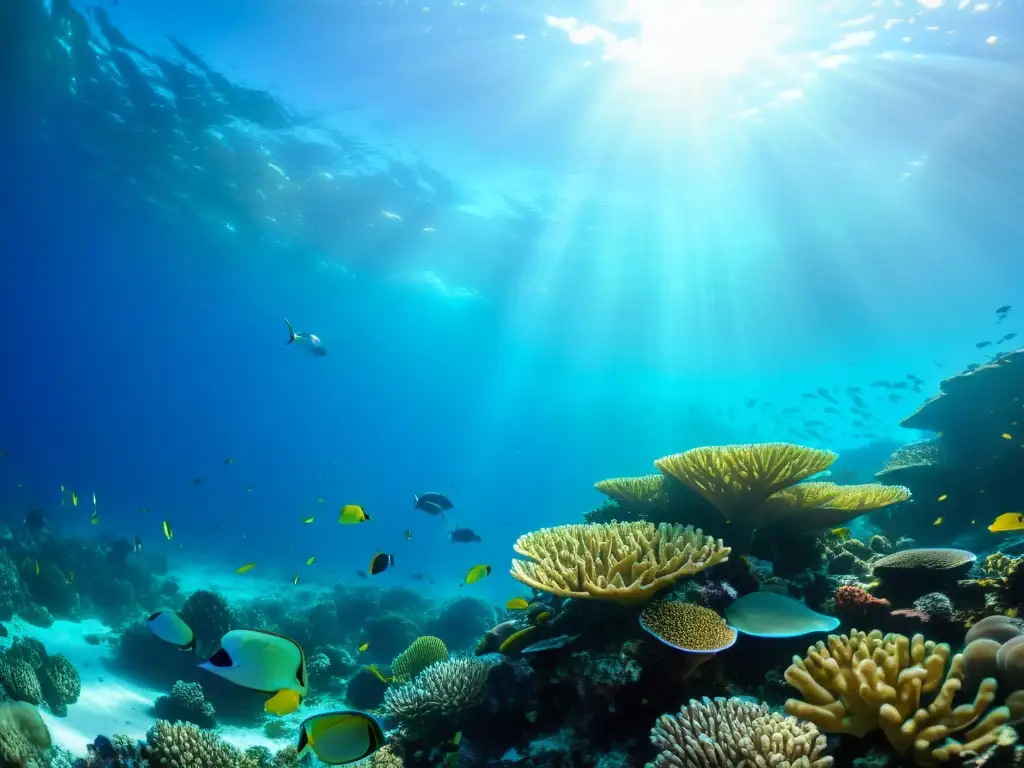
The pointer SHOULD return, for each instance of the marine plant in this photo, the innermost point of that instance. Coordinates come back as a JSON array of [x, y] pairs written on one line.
[[622, 562]]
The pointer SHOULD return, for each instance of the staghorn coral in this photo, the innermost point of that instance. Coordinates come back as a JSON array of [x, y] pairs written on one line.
[[183, 745], [624, 562], [440, 695], [423, 652], [186, 703], [825, 505], [859, 683], [738, 479], [732, 733], [631, 490]]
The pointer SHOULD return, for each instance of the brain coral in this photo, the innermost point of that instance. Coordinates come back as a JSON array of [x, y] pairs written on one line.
[[624, 562], [925, 562], [732, 733]]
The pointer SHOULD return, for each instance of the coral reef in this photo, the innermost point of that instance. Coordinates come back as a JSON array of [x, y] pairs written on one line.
[[29, 674], [24, 737], [423, 652], [186, 703], [439, 696]]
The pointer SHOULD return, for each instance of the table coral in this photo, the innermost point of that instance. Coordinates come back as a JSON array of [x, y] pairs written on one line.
[[859, 683], [631, 490], [624, 562]]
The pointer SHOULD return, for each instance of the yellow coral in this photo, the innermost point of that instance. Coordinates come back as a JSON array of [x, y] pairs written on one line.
[[624, 562], [423, 652], [687, 626], [864, 682], [737, 479], [631, 490], [824, 505]]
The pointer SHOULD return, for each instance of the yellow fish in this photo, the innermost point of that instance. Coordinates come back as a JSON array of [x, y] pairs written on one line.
[[542, 618], [37, 567], [943, 497], [516, 604], [309, 561], [352, 514], [74, 499], [283, 703], [1007, 436], [295, 580], [245, 569], [476, 573], [168, 533], [307, 520], [94, 518], [938, 521], [364, 646], [841, 533], [372, 668], [94, 498], [1008, 521]]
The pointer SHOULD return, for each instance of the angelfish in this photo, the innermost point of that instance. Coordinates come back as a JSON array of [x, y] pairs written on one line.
[[265, 662], [171, 628], [342, 737]]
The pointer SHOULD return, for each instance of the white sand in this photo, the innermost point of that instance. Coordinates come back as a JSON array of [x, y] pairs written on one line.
[[109, 703]]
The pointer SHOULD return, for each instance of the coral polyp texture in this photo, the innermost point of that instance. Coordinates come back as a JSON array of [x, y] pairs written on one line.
[[825, 505], [738, 479], [729, 733], [632, 490], [624, 562], [181, 745], [863, 682], [441, 694], [687, 626], [423, 652]]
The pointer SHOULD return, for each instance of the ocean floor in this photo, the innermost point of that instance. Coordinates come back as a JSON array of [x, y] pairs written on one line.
[[110, 703]]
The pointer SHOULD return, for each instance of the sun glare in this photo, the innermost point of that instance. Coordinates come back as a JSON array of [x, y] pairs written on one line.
[[688, 39]]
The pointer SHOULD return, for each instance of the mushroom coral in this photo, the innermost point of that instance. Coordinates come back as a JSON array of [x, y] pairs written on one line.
[[623, 562], [862, 682]]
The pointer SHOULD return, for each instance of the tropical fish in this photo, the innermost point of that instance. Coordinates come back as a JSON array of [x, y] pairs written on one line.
[[938, 521], [283, 702], [295, 579], [380, 563], [37, 567], [841, 533], [311, 339], [94, 518], [307, 520], [450, 751], [363, 647], [171, 628], [35, 519], [476, 573], [309, 560], [352, 514], [138, 544], [1008, 521], [464, 536], [408, 533], [1007, 436], [261, 661], [516, 604], [339, 738], [74, 499], [943, 497], [245, 568], [373, 670], [432, 503], [168, 533]]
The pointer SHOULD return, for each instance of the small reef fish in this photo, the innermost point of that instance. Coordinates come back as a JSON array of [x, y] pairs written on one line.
[[138, 544], [37, 567], [432, 503], [339, 738], [168, 532], [476, 573], [311, 340], [321, 500], [1007, 337], [516, 604], [363, 647], [229, 460], [464, 536], [307, 520], [283, 702], [983, 344], [262, 661], [309, 560], [841, 533], [408, 533], [352, 514], [380, 563], [943, 497], [171, 628], [938, 521], [245, 568], [94, 518], [1006, 436], [373, 670], [295, 579], [74, 499], [1008, 521]]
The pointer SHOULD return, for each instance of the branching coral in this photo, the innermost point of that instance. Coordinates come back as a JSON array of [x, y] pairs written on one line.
[[738, 479], [181, 745], [624, 562], [632, 490], [442, 693], [865, 682], [732, 733], [423, 652]]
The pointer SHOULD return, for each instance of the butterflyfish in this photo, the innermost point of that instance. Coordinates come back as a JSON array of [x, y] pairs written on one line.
[[339, 738], [283, 702], [363, 647], [380, 563], [171, 628], [261, 661], [1008, 521], [309, 560], [476, 573], [168, 532], [352, 514], [516, 604], [943, 497], [245, 568]]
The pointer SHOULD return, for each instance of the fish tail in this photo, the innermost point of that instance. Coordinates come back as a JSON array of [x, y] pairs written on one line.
[[291, 331]]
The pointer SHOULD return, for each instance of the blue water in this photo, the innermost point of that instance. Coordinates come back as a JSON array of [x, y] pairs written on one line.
[[550, 261]]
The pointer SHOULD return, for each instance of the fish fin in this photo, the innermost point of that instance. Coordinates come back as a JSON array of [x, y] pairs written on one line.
[[291, 331], [415, 501]]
